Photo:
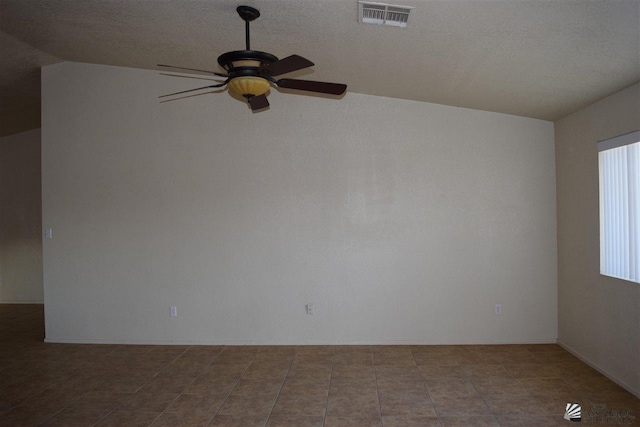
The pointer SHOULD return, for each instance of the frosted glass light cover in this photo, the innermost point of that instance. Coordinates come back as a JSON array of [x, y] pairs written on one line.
[[249, 85]]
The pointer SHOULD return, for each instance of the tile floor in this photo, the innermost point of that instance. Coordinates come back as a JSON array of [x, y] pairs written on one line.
[[299, 386]]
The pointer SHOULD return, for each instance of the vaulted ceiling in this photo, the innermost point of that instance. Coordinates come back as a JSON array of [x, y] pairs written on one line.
[[532, 58]]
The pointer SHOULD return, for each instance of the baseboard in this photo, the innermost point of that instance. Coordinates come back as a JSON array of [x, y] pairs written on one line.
[[22, 302], [66, 340], [604, 372]]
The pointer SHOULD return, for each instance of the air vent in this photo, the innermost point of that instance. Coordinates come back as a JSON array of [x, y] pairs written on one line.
[[384, 14]]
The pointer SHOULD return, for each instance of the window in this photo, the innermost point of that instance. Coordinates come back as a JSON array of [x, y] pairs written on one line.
[[619, 160]]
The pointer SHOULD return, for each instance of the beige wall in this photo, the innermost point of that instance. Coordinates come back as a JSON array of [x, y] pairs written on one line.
[[599, 316], [404, 222], [20, 218]]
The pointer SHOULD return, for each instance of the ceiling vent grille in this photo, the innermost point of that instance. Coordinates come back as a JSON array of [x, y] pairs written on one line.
[[384, 14]]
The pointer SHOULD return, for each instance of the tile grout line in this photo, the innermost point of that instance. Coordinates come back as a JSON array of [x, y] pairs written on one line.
[[139, 388], [78, 397], [235, 384], [326, 405], [470, 379], [375, 374], [424, 382], [179, 394], [280, 389], [533, 382]]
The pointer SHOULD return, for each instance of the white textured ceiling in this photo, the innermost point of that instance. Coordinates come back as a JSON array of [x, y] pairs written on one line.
[[533, 58]]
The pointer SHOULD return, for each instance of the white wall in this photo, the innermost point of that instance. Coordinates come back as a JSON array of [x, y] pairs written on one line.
[[20, 218], [404, 222], [599, 316]]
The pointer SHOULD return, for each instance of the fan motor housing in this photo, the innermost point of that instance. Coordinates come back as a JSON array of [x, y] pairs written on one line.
[[227, 60], [245, 76]]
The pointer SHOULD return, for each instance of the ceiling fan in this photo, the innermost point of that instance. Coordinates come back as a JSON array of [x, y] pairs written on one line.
[[250, 73]]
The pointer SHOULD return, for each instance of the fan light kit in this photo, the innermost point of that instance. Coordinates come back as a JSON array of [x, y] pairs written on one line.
[[251, 73]]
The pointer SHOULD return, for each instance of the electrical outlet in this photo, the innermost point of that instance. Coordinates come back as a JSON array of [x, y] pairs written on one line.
[[174, 311], [498, 309], [311, 309]]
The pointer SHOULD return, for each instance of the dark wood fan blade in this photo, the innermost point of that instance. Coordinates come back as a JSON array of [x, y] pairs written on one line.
[[182, 76], [287, 65], [258, 102], [311, 86], [191, 90], [193, 69]]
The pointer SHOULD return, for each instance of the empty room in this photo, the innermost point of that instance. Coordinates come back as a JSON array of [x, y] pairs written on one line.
[[319, 213]]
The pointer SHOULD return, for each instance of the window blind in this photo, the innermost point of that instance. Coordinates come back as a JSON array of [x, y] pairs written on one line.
[[619, 164]]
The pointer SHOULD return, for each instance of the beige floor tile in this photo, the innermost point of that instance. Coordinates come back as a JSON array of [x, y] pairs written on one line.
[[450, 387], [331, 421], [211, 385], [313, 359], [500, 386], [353, 372], [196, 403], [233, 359], [129, 419], [472, 421], [315, 349], [310, 372], [128, 384], [404, 373], [197, 419], [183, 369], [400, 359], [266, 371], [148, 402], [467, 385], [80, 383], [300, 405], [353, 406], [353, 386], [515, 405], [253, 405], [25, 416], [277, 350], [486, 371], [287, 421], [436, 358], [167, 384], [548, 387], [224, 371], [51, 399], [438, 371], [531, 421], [76, 417], [397, 386], [513, 357], [100, 400], [459, 405], [353, 358], [531, 370], [305, 387], [409, 421], [352, 349], [238, 421], [409, 405], [258, 386]]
